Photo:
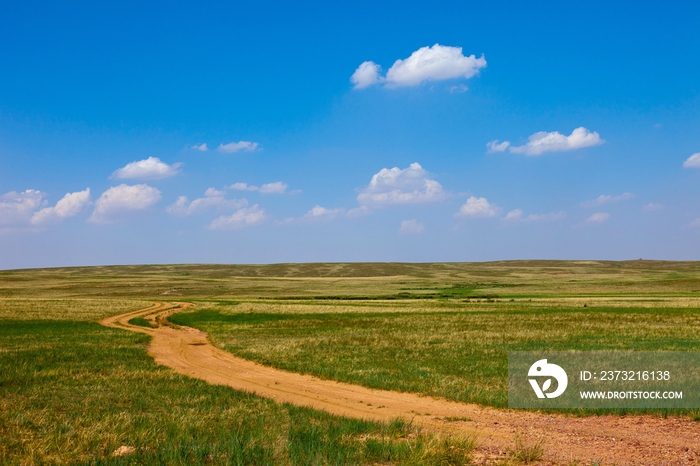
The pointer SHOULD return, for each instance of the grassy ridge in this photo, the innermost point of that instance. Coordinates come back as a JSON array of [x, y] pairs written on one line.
[[458, 354], [504, 279]]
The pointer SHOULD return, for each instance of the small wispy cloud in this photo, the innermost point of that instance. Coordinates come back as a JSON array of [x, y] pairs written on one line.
[[245, 217], [359, 211], [201, 147], [322, 213], [213, 199], [458, 89], [652, 207], [278, 187], [411, 227], [607, 199], [240, 146], [517, 216], [693, 161], [495, 146], [599, 217]]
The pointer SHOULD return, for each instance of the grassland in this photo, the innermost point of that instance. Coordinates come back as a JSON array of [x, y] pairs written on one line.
[[457, 353], [72, 391]]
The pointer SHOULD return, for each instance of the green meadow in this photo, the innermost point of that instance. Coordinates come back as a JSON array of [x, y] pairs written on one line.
[[458, 354], [73, 392]]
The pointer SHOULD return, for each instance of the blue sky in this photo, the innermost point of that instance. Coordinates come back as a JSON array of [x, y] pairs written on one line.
[[323, 146]]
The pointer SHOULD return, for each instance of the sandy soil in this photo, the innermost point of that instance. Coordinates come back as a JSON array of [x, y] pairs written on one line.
[[620, 440]]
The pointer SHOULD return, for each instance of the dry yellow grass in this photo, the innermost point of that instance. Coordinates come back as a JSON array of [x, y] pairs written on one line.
[[89, 310]]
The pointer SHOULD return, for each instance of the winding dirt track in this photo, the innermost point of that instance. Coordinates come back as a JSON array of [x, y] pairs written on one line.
[[631, 440]]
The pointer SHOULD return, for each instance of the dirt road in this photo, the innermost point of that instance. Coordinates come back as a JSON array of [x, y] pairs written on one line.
[[621, 440]]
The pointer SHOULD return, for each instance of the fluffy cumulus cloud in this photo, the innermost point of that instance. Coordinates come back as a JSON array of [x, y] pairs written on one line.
[[149, 169], [599, 217], [367, 74], [517, 216], [17, 208], [213, 199], [411, 227], [607, 199], [693, 161], [478, 207], [410, 185], [121, 200], [542, 142], [245, 217], [278, 187], [240, 146], [436, 63], [69, 206]]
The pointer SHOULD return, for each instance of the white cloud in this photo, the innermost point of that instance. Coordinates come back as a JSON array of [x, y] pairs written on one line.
[[242, 187], [150, 169], [652, 207], [478, 207], [514, 215], [17, 208], [545, 217], [321, 213], [695, 223], [245, 217], [607, 199], [367, 74], [359, 211], [554, 141], [495, 146], [436, 63], [240, 146], [599, 217], [458, 89], [396, 186], [411, 227], [212, 199], [517, 216], [203, 147], [693, 161], [69, 206], [123, 199], [273, 188], [278, 187]]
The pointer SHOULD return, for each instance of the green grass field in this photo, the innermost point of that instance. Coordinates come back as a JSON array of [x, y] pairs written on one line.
[[72, 391], [459, 354]]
